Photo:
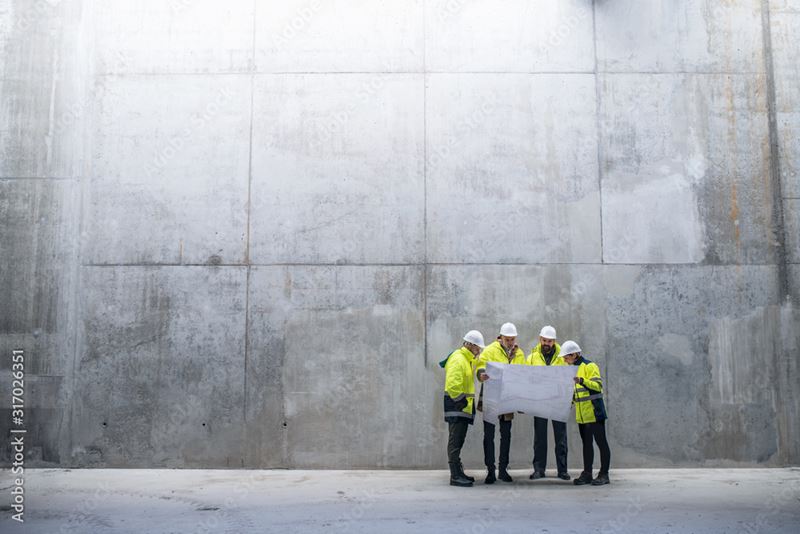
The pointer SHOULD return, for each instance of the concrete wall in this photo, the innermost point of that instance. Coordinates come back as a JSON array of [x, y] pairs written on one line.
[[242, 234]]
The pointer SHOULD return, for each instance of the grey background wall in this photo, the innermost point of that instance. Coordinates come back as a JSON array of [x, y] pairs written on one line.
[[242, 234]]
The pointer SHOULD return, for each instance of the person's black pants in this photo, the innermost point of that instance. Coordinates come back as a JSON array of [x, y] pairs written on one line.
[[596, 432], [458, 433], [540, 444], [488, 443]]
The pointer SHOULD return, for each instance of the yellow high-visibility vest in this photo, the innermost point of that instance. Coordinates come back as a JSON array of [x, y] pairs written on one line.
[[495, 352], [537, 358], [588, 396], [459, 386]]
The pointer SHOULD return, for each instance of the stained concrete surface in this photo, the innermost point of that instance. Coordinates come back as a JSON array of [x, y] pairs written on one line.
[[519, 36], [196, 501], [785, 24], [545, 150], [243, 234], [688, 144], [190, 190], [301, 422], [696, 36], [314, 194], [169, 369]]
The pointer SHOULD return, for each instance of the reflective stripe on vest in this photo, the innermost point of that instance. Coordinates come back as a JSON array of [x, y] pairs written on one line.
[[590, 397], [459, 414]]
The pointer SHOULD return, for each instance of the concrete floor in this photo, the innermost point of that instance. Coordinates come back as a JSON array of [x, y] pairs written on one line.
[[171, 501]]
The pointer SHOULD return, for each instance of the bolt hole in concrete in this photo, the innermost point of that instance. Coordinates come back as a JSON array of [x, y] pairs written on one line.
[[284, 424], [104, 423]]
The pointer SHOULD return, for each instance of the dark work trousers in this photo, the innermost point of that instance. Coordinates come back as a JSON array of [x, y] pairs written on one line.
[[488, 443], [540, 444], [598, 432], [458, 433]]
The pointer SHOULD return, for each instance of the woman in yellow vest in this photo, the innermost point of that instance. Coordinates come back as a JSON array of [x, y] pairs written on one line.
[[590, 413], [459, 401]]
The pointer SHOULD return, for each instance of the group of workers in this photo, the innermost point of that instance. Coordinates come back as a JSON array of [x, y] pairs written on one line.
[[469, 361]]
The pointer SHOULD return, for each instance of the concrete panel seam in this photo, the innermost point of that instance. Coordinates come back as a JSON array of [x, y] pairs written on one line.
[[40, 178], [597, 128], [784, 291], [75, 331], [424, 190], [133, 74], [246, 350], [247, 232], [674, 72], [429, 264], [493, 72], [250, 146]]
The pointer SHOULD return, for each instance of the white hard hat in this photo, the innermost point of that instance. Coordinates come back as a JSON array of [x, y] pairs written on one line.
[[569, 347], [508, 329], [474, 337], [548, 332]]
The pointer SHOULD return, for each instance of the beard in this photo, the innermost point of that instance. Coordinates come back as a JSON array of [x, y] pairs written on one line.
[[547, 351]]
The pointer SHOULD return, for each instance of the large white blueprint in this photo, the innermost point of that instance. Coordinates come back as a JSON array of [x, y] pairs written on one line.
[[543, 391]]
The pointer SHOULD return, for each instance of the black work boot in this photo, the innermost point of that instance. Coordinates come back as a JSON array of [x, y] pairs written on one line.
[[463, 474], [504, 476], [585, 478], [456, 479], [564, 476], [490, 478], [536, 475], [602, 479]]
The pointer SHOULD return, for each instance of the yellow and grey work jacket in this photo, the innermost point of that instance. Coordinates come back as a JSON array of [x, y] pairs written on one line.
[[588, 396], [537, 358], [495, 352], [459, 386]]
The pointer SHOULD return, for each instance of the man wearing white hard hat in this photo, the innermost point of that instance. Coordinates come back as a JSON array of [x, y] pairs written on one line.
[[590, 413], [503, 350], [547, 352], [459, 401]]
